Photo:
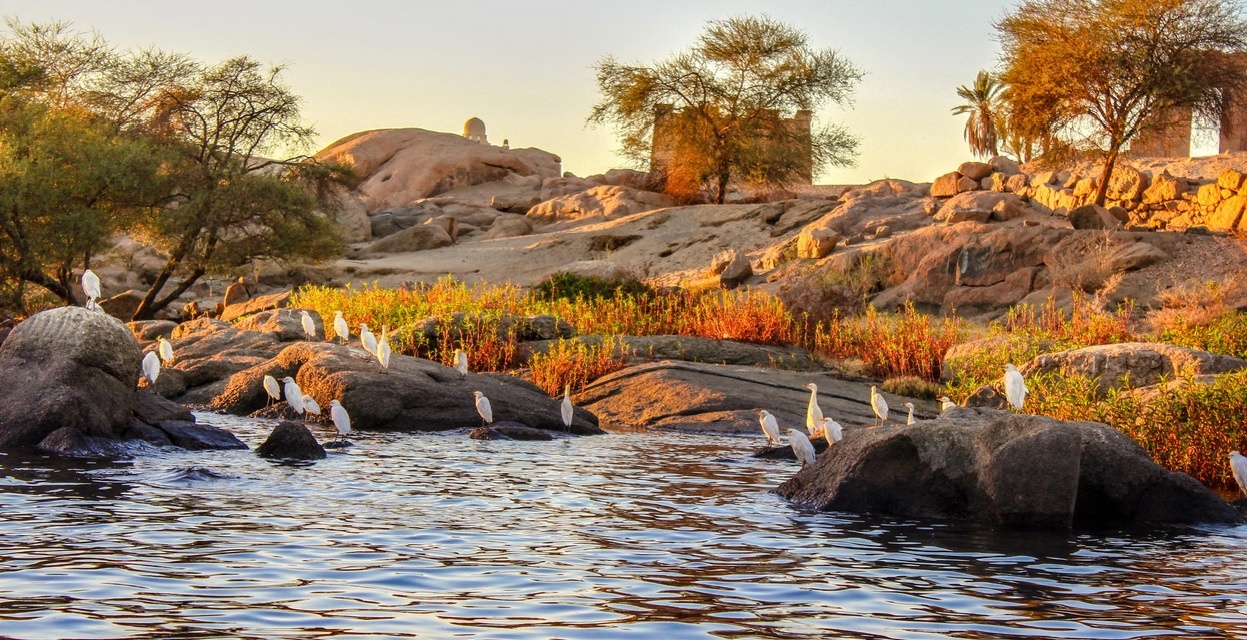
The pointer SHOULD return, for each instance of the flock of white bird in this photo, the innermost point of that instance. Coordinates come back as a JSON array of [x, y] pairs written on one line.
[[816, 423]]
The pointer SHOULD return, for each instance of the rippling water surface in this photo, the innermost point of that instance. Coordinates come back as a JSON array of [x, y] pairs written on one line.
[[625, 535]]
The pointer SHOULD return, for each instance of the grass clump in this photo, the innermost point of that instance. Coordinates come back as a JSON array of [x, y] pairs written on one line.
[[577, 363], [570, 286], [905, 344], [912, 386]]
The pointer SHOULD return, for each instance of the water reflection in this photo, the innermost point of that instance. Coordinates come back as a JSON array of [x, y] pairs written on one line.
[[638, 535]]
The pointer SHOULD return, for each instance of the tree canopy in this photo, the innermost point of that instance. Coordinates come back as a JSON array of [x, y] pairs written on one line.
[[1095, 74], [722, 107], [164, 147]]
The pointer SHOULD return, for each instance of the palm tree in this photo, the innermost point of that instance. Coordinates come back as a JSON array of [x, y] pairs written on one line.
[[982, 104]]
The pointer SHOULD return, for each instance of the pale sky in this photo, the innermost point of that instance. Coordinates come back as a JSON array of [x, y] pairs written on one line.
[[525, 68]]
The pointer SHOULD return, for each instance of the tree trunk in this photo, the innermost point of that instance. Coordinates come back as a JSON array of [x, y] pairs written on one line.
[[147, 307], [721, 191], [156, 307], [1101, 190], [56, 288]]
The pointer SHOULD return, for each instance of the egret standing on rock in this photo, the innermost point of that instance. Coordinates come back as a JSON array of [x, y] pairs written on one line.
[[91, 287], [340, 328], [309, 326], [482, 407], [271, 386], [310, 405], [770, 428], [946, 403], [294, 395], [801, 446], [910, 419], [566, 408], [461, 363], [165, 350], [1238, 465], [1015, 387], [368, 339], [880, 406], [340, 418], [813, 413], [151, 367], [383, 349], [832, 431]]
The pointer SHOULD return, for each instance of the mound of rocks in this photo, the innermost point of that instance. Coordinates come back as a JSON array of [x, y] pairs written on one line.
[[1134, 364], [999, 468], [73, 389], [412, 395]]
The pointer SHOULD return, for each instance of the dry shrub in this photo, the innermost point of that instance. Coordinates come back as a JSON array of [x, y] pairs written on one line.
[[912, 386], [1197, 304], [891, 345], [1081, 262], [576, 363]]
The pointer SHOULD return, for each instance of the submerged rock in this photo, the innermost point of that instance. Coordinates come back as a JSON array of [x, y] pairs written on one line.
[[1000, 468], [291, 441], [509, 431]]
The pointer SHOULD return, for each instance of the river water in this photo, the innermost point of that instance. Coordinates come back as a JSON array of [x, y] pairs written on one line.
[[627, 535]]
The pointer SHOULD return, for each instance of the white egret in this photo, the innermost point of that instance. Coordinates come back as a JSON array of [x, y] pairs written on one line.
[[1238, 465], [1015, 387], [165, 350], [340, 328], [273, 389], [310, 405], [880, 406], [151, 367], [832, 431], [383, 348], [92, 305], [309, 326], [946, 403], [368, 339], [813, 413], [294, 395], [90, 286], [461, 363], [483, 408], [910, 419], [566, 409], [801, 446], [341, 419], [770, 428]]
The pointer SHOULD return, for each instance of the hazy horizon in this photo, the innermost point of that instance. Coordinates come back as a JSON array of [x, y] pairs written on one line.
[[527, 72]]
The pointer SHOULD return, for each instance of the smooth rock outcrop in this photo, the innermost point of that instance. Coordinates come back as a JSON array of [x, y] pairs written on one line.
[[400, 166], [412, 395], [605, 201], [684, 396], [999, 468], [1136, 364]]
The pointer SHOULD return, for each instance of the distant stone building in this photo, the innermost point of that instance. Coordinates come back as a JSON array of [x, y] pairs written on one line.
[[1174, 141], [662, 146], [474, 130]]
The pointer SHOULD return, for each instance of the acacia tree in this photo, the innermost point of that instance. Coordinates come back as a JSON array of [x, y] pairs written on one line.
[[211, 201], [1098, 73], [723, 102], [982, 105]]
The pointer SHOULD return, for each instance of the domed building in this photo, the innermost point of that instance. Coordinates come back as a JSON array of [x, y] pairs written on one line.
[[474, 129]]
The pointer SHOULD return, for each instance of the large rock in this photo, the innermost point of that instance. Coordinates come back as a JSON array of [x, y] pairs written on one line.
[[946, 185], [413, 395], [400, 166], [67, 368], [1136, 364], [1092, 216], [975, 206], [1000, 468], [73, 376], [1228, 214], [209, 351], [694, 349], [415, 238], [687, 396], [257, 304], [1165, 187], [605, 201], [975, 170], [1127, 183], [508, 227], [284, 324]]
